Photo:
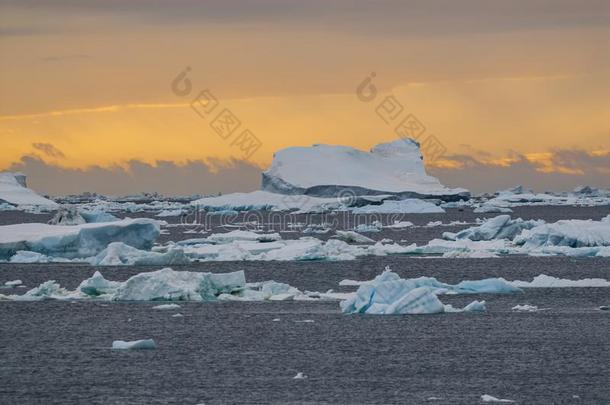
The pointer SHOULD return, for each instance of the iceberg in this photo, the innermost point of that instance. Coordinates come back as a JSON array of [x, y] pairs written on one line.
[[76, 241], [120, 254], [14, 191], [390, 294], [134, 345], [572, 233], [67, 216], [500, 227], [170, 285], [394, 168], [489, 209]]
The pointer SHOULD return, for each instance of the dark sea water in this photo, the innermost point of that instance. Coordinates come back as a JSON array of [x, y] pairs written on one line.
[[234, 352]]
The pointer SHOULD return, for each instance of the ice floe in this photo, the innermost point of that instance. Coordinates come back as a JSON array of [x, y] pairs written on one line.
[[407, 206], [146, 344], [76, 241], [544, 281], [489, 398]]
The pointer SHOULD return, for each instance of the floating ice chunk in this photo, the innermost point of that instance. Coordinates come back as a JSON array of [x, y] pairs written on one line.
[[604, 308], [96, 216], [24, 256], [489, 398], [97, 285], [500, 227], [525, 308], [299, 376], [67, 215], [239, 235], [544, 281], [166, 306], [573, 233], [489, 209], [353, 237], [408, 206], [77, 241], [470, 254], [47, 290], [374, 227], [13, 283], [169, 285], [388, 294], [134, 345], [400, 224], [120, 254], [178, 315]]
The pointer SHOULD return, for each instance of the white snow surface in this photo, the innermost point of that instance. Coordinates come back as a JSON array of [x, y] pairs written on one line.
[[14, 191], [76, 241], [395, 168]]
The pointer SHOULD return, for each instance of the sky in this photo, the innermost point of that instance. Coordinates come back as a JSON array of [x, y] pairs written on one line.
[[121, 96]]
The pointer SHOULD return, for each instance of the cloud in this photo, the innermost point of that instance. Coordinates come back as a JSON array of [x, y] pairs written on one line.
[[49, 150], [558, 170], [64, 58], [193, 177]]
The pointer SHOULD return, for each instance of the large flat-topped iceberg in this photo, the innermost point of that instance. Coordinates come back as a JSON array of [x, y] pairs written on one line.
[[13, 190], [76, 241], [327, 170]]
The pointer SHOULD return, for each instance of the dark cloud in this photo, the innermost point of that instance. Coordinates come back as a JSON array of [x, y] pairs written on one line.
[[395, 17], [481, 177], [168, 178], [49, 150]]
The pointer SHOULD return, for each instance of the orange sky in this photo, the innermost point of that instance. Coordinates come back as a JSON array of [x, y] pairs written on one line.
[[487, 79]]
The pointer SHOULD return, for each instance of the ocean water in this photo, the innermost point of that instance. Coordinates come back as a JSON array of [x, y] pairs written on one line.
[[238, 352]]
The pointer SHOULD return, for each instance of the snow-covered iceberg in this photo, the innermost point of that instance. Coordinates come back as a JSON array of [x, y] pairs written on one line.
[[327, 171], [76, 241], [13, 190]]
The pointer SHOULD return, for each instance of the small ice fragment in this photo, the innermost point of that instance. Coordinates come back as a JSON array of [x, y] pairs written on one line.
[[525, 308], [275, 320], [434, 398], [13, 283], [489, 398], [166, 306], [306, 321], [178, 315], [136, 344], [604, 308], [299, 376]]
